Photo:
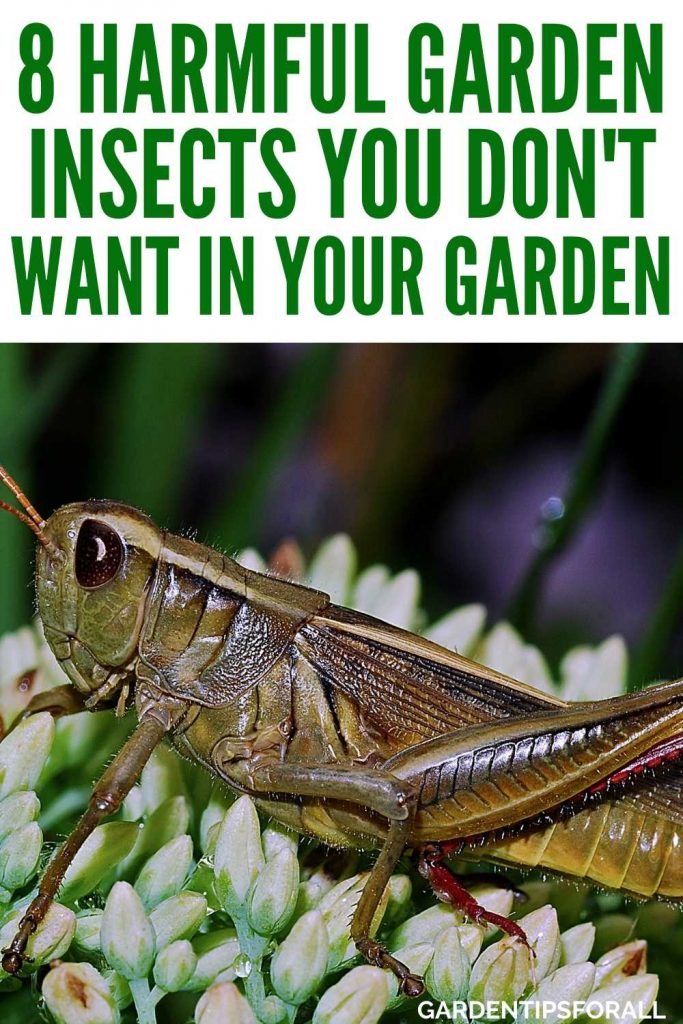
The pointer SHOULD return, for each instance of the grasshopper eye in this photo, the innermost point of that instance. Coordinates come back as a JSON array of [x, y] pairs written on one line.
[[99, 553]]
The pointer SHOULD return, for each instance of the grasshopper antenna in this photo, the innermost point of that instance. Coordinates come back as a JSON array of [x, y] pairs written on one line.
[[30, 516]]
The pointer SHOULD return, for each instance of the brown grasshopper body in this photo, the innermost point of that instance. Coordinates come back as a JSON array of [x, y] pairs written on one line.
[[344, 727]]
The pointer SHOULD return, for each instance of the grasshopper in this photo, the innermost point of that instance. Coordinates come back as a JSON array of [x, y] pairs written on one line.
[[343, 727]]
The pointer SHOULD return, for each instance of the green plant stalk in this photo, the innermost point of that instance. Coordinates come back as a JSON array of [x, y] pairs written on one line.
[[254, 948], [584, 482], [649, 655], [236, 522], [46, 393], [143, 1000], [15, 540], [156, 401]]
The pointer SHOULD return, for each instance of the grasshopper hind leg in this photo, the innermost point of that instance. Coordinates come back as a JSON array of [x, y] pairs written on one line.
[[373, 951], [448, 889]]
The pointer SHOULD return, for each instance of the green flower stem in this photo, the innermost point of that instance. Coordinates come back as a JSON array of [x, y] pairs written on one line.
[[649, 655], [144, 1001], [584, 482], [238, 521], [269, 1009]]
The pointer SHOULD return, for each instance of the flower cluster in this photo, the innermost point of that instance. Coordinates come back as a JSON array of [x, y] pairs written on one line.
[[188, 898]]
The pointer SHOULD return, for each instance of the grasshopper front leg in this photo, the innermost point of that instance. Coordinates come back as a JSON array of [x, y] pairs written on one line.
[[59, 701], [371, 789], [106, 799]]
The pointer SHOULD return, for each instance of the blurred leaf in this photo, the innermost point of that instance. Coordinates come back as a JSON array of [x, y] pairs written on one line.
[[46, 393], [156, 401], [16, 542], [559, 527], [236, 520], [646, 665]]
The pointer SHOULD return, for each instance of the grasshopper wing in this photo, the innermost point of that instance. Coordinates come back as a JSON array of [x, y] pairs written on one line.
[[405, 686]]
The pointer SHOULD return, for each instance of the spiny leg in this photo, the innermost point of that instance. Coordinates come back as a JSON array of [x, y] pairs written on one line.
[[448, 889], [106, 799], [373, 951], [496, 881]]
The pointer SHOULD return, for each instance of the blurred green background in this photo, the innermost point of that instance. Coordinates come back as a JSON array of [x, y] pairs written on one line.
[[543, 480]]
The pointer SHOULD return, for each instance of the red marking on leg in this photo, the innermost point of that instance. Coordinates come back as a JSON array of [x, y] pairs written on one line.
[[451, 846], [671, 750], [449, 890]]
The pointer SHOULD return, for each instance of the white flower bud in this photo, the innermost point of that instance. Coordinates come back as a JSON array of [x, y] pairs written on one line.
[[178, 917], [360, 997], [165, 872], [299, 964], [276, 837], [238, 858], [397, 601], [223, 1003], [400, 891], [19, 855], [337, 908], [50, 940], [426, 926], [576, 943], [24, 752], [570, 984], [628, 1001], [333, 567], [312, 890], [459, 630], [595, 673], [17, 810], [175, 965], [369, 588], [103, 850], [504, 650], [217, 951], [212, 816], [161, 779], [501, 973], [471, 939], [87, 935], [170, 819], [273, 898], [78, 994], [75, 739], [250, 558], [447, 977], [126, 933], [417, 959], [543, 932], [622, 961], [119, 988], [133, 807], [53, 936]]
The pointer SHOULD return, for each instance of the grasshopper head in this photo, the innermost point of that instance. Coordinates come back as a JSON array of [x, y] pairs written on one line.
[[92, 579], [94, 566]]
